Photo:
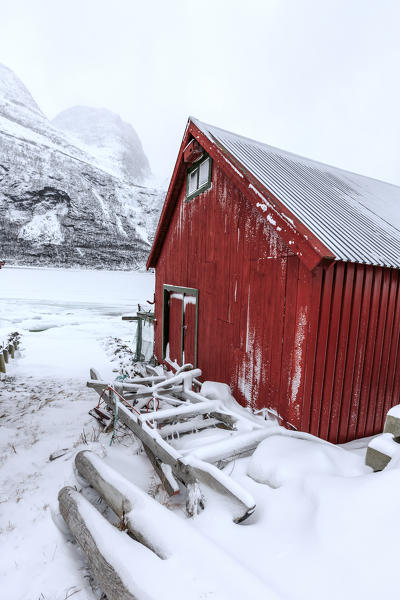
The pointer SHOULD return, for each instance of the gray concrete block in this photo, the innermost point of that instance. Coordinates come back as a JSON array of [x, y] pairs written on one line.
[[392, 425], [376, 459]]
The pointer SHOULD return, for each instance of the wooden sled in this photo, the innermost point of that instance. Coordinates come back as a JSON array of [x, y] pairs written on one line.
[[181, 410]]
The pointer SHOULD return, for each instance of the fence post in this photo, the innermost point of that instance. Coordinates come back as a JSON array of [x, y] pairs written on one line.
[[139, 333]]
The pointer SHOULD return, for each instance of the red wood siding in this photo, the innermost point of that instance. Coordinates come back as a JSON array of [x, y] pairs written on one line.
[[254, 296], [321, 348], [353, 363]]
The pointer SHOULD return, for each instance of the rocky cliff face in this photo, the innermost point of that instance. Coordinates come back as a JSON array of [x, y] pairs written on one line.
[[61, 204], [111, 141]]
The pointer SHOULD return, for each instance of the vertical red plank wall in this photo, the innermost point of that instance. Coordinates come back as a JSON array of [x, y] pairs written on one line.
[[220, 244], [354, 366], [253, 298]]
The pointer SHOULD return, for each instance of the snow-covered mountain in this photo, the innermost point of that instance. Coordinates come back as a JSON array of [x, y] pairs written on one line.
[[112, 141], [68, 197]]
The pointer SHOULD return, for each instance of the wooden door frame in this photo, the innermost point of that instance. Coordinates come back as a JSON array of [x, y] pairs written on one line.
[[167, 290]]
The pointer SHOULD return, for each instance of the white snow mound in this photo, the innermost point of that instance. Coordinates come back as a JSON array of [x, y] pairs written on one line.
[[280, 459]]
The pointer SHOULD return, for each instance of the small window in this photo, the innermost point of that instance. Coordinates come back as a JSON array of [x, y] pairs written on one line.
[[192, 182], [199, 178], [204, 169]]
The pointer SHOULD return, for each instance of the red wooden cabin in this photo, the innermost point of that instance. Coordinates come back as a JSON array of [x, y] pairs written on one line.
[[280, 276]]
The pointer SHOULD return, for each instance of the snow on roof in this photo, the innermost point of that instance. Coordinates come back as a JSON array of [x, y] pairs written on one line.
[[356, 217]]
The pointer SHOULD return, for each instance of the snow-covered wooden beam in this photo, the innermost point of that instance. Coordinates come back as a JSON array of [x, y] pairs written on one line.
[[237, 446], [178, 429], [185, 411], [171, 560], [89, 528], [164, 472], [186, 470], [118, 494]]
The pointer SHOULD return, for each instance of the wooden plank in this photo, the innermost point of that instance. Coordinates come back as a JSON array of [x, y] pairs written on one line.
[[354, 326], [364, 425], [322, 346], [353, 430], [289, 309], [276, 323], [386, 317], [297, 373], [331, 351], [341, 354], [178, 429], [152, 379], [168, 481], [312, 337], [391, 397], [363, 349], [180, 412], [229, 449]]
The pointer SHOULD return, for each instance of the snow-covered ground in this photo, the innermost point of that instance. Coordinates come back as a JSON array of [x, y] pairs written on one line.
[[325, 526], [64, 316]]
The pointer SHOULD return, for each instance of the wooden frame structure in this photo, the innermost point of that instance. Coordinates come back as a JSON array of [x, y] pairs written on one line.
[[182, 410]]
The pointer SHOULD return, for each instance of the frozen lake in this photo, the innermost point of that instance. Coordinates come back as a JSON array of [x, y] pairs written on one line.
[[65, 314]]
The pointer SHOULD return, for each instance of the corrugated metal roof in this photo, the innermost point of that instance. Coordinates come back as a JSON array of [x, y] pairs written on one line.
[[356, 217]]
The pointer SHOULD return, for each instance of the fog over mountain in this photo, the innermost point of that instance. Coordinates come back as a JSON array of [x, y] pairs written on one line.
[[113, 142], [71, 190]]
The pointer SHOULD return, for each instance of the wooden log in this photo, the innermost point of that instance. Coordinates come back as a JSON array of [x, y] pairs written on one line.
[[2, 363], [72, 504], [119, 495], [11, 350], [185, 549], [5, 354]]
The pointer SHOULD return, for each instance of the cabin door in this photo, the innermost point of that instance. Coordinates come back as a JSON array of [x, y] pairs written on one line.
[[180, 321]]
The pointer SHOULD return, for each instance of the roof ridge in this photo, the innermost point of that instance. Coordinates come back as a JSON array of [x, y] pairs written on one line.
[[201, 125]]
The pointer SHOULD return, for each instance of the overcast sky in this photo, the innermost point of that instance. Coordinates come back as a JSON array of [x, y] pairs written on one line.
[[320, 78]]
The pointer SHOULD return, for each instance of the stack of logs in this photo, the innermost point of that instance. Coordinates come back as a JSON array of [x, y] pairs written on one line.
[[7, 350]]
